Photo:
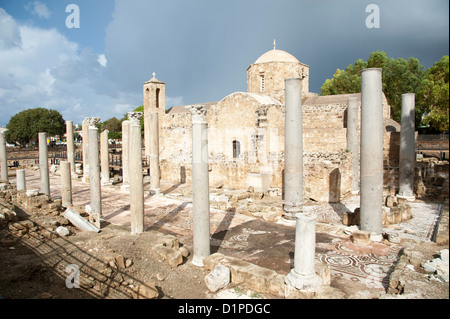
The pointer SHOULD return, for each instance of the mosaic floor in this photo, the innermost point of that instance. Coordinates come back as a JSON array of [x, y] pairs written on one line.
[[366, 267]]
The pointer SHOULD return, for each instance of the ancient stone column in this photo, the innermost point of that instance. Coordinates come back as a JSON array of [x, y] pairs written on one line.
[[85, 148], [407, 158], [135, 174], [43, 164], [125, 153], [154, 154], [20, 180], [3, 158], [303, 275], [200, 184], [94, 175], [71, 147], [293, 150], [66, 183], [371, 161], [104, 155], [353, 140]]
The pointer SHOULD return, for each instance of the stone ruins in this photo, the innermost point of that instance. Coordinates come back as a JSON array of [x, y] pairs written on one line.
[[277, 140]]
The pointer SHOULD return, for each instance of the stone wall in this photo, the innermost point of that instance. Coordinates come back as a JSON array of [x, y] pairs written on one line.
[[256, 123]]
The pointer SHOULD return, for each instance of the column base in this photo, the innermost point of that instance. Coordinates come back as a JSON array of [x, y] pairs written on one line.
[[197, 261], [376, 237], [106, 183], [408, 198], [303, 282]]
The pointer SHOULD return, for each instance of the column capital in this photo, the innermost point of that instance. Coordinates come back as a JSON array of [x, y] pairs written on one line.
[[198, 113], [135, 118], [91, 121]]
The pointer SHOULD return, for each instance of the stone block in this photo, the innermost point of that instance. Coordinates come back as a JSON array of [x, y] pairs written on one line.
[[276, 285], [324, 272], [237, 268], [347, 218], [212, 260], [391, 201], [172, 256], [218, 278], [62, 231], [147, 291], [361, 237], [257, 278]]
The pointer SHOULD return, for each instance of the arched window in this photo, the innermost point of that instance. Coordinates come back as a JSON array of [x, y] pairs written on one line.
[[157, 98], [236, 149], [262, 83]]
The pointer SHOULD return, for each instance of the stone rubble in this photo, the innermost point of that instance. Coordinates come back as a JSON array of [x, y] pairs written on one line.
[[218, 278]]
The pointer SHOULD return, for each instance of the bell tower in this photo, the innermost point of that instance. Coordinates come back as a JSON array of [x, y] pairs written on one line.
[[154, 102]]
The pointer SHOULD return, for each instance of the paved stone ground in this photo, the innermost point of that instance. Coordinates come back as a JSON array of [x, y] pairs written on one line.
[[267, 244]]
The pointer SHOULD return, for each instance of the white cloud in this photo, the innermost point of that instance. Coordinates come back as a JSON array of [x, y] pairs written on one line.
[[39, 9], [102, 60], [9, 31], [42, 68]]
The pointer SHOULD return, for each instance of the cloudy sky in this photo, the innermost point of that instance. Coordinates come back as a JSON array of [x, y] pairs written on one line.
[[199, 48]]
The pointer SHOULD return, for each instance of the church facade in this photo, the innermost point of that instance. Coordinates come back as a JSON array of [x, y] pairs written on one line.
[[246, 133]]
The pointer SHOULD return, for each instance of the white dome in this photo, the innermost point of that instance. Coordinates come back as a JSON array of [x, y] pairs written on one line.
[[276, 56]]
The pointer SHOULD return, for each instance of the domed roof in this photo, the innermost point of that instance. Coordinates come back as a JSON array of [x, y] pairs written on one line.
[[276, 56]]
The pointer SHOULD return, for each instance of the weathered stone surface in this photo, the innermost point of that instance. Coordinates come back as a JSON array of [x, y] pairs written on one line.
[[183, 251], [361, 237], [172, 256], [147, 291], [212, 260], [218, 278], [62, 231]]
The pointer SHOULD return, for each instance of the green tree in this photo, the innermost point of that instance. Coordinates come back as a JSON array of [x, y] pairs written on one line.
[[399, 76], [25, 126], [114, 127], [434, 95]]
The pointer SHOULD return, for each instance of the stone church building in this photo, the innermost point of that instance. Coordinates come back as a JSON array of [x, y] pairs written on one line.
[[246, 133]]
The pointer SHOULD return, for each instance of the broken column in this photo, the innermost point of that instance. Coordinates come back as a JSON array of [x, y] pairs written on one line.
[[125, 153], [94, 173], [66, 184], [371, 161], [3, 158], [135, 174], [71, 147], [154, 154], [104, 155], [43, 164], [20, 180], [200, 184], [407, 156], [303, 275], [353, 140], [293, 150]]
